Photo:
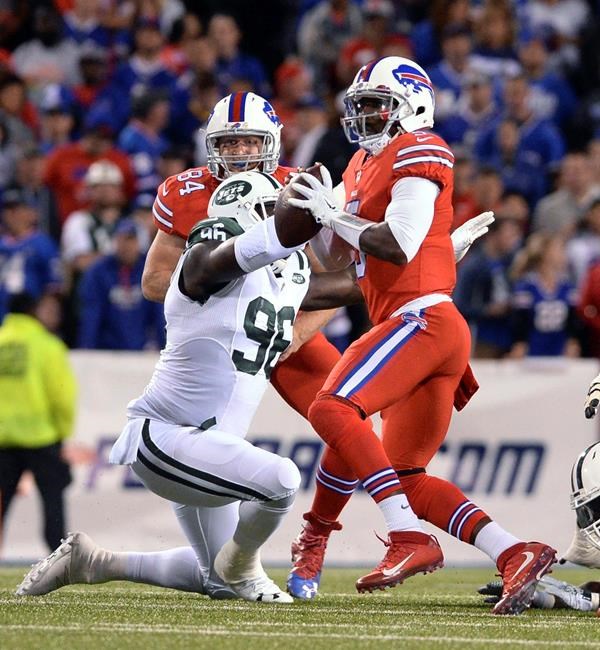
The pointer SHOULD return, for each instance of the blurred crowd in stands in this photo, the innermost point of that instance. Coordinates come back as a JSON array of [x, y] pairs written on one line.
[[102, 99]]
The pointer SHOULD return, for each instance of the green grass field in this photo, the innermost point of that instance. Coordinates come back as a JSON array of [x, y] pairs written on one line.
[[440, 610]]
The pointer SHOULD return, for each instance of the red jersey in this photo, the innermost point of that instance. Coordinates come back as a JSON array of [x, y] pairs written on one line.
[[65, 170], [368, 181], [182, 200]]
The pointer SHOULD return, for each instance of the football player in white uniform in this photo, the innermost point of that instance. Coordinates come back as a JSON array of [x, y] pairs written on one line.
[[230, 309]]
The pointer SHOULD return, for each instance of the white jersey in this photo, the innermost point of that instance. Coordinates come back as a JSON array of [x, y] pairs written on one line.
[[219, 354]]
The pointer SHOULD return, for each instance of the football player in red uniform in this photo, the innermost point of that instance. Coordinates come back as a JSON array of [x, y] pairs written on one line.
[[243, 132], [412, 366]]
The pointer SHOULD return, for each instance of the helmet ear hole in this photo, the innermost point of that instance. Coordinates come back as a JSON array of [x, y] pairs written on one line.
[[420, 110]]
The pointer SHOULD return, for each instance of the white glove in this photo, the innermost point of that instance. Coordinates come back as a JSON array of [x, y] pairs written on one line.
[[593, 398], [319, 198], [465, 235]]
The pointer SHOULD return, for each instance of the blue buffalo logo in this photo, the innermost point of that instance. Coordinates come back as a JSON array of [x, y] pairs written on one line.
[[269, 111], [407, 76]]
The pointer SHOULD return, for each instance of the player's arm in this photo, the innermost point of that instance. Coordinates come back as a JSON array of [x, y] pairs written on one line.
[[331, 290], [220, 254], [398, 238], [161, 260], [395, 240]]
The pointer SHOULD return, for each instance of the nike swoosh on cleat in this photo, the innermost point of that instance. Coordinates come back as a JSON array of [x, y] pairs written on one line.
[[528, 558], [390, 572]]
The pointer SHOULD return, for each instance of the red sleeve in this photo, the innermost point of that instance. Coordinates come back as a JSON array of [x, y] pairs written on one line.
[[182, 200], [424, 155]]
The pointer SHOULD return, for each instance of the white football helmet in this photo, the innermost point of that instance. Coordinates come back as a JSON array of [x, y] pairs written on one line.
[[585, 493], [386, 93], [243, 114], [247, 197]]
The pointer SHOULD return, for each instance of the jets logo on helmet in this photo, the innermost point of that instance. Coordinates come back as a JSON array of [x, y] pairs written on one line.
[[247, 197], [388, 96], [243, 114], [232, 191]]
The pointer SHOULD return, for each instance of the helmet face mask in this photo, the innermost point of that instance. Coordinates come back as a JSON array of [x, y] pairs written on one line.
[[243, 115], [585, 493], [388, 96]]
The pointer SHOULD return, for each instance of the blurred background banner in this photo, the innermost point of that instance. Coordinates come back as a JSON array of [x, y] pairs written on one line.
[[510, 450]]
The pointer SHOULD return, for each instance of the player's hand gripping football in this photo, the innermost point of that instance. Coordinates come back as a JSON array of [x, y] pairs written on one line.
[[465, 235], [319, 199], [593, 398]]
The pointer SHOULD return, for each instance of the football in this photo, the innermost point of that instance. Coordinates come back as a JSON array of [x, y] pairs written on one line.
[[294, 226]]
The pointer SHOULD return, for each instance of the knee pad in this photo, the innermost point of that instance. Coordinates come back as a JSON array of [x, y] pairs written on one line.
[[328, 415], [288, 476]]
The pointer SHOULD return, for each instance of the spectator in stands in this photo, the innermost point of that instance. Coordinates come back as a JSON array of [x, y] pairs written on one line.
[[8, 155], [513, 163], [584, 247], [540, 141], [37, 412], [426, 36], [29, 260], [588, 309], [144, 219], [551, 95], [562, 23], [495, 38], [487, 189], [322, 33], [94, 70], [57, 113], [87, 233], [313, 124], [82, 25], [474, 110], [47, 58], [464, 200], [544, 300], [293, 82], [29, 178], [184, 33], [67, 165], [376, 39], [19, 117], [142, 71], [114, 313], [142, 138], [450, 74], [232, 64], [563, 210], [482, 292], [593, 152]]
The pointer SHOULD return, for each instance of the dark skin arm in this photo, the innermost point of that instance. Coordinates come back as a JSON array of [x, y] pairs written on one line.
[[333, 289], [207, 267], [379, 241]]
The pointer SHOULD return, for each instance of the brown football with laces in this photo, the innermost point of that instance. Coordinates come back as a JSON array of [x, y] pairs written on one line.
[[294, 225]]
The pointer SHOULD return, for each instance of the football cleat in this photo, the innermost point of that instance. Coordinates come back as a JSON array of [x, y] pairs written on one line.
[[408, 553], [308, 554], [69, 564], [242, 572], [521, 567]]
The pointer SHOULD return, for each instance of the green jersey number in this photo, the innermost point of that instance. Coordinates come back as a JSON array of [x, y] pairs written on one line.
[[264, 326]]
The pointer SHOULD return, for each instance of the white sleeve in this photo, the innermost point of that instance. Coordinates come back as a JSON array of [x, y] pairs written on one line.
[[410, 212]]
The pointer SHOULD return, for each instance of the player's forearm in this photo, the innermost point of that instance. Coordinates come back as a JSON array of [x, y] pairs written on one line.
[[332, 290], [379, 241], [155, 284]]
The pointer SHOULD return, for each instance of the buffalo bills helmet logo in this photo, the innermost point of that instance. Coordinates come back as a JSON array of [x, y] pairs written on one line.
[[407, 76], [271, 114]]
